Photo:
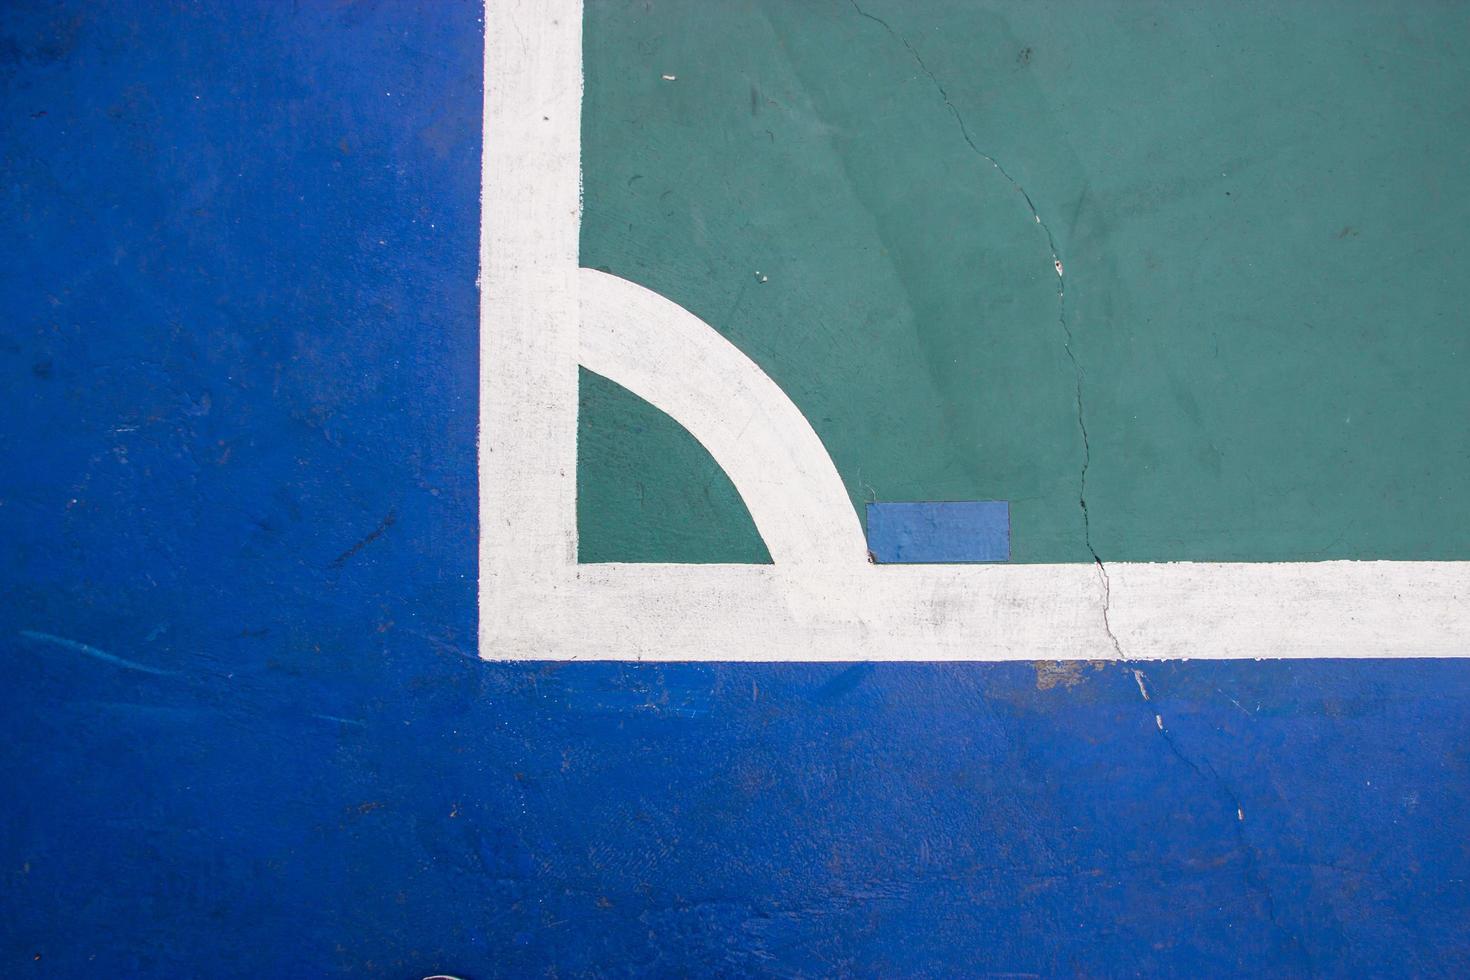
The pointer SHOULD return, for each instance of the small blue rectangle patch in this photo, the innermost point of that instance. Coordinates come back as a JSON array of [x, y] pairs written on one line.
[[939, 532]]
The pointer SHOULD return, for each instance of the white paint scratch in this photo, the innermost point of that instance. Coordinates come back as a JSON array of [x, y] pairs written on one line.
[[35, 636], [342, 721]]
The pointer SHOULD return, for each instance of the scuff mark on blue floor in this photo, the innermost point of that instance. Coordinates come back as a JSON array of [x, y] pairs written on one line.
[[36, 636]]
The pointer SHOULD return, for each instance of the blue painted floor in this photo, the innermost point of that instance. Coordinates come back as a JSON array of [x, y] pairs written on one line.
[[242, 729]]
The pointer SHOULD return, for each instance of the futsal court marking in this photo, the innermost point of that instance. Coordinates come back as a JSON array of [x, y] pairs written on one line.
[[541, 316]]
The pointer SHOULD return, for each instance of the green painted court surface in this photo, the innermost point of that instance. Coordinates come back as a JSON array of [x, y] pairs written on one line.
[[1262, 210]]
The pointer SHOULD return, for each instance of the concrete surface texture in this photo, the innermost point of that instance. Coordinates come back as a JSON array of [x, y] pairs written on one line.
[[243, 726]]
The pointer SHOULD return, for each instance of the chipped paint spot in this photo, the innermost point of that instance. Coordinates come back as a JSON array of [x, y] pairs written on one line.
[[1067, 673], [1138, 679]]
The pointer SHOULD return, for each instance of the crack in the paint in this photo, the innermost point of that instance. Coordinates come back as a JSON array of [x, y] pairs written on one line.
[[1249, 872], [1067, 339]]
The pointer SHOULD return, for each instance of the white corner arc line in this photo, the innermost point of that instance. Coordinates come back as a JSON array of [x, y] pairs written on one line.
[[681, 365]]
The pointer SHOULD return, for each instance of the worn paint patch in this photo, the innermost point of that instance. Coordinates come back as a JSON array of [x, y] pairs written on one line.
[[1064, 673], [939, 532]]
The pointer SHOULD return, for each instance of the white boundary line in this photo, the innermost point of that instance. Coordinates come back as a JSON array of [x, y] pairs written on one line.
[[530, 198], [821, 600]]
